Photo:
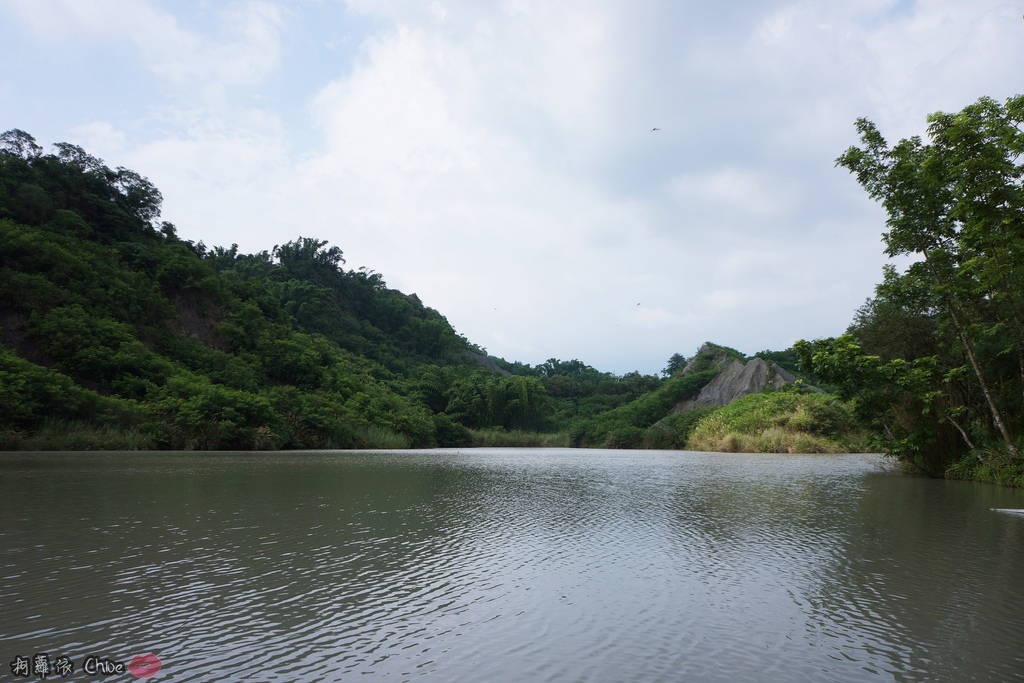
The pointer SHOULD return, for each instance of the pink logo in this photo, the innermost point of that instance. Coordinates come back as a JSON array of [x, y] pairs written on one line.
[[145, 666]]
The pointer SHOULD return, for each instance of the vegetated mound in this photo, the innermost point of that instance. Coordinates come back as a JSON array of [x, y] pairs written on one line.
[[716, 376], [787, 421], [710, 357]]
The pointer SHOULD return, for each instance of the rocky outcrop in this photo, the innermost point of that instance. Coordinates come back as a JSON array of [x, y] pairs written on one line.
[[735, 380]]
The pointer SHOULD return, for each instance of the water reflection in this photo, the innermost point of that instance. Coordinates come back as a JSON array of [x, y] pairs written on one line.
[[928, 578], [510, 565]]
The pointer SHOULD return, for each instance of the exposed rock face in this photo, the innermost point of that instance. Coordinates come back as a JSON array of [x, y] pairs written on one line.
[[736, 380], [487, 363]]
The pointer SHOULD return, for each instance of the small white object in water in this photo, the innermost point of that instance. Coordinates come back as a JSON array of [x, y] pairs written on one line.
[[1009, 511]]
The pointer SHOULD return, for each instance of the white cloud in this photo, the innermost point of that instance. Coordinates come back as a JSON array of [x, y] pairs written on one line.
[[497, 159], [735, 190], [100, 135], [390, 114], [245, 48]]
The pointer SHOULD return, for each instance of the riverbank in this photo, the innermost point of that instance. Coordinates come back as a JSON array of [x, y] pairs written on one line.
[[761, 431], [990, 466]]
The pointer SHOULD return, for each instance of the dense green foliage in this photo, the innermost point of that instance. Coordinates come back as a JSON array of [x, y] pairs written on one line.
[[627, 425], [935, 362], [789, 360], [713, 356]]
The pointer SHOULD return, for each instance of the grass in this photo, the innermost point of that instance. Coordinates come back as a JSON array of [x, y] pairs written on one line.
[[673, 432], [493, 438], [57, 434], [74, 435], [624, 427]]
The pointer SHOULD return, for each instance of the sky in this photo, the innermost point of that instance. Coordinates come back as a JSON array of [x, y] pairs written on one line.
[[499, 159]]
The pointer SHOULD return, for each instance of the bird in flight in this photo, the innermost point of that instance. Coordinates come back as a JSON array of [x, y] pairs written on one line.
[[654, 129]]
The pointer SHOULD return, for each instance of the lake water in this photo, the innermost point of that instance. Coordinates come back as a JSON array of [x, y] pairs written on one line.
[[508, 565]]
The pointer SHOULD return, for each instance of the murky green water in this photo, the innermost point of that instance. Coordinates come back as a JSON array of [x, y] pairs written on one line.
[[509, 565]]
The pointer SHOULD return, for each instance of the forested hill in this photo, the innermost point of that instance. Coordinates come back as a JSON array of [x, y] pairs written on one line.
[[116, 333], [113, 325]]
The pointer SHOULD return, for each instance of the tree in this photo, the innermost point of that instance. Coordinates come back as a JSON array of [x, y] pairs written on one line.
[[76, 156], [957, 203], [306, 258], [904, 401], [140, 196], [900, 321], [675, 364], [20, 144]]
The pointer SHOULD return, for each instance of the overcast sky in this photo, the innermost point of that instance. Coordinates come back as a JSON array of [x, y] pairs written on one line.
[[498, 158]]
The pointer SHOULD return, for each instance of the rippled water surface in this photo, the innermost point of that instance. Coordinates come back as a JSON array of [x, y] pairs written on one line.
[[509, 565]]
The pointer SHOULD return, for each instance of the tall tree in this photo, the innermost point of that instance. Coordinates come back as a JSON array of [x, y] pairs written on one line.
[[957, 203]]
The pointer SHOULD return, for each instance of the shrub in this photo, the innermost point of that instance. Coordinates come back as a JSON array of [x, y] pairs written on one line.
[[625, 437], [449, 433]]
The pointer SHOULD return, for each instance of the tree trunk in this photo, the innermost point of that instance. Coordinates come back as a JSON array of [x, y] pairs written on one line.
[[967, 439], [996, 415]]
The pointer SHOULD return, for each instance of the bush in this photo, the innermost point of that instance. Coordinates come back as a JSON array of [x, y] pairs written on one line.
[[372, 436], [449, 433], [674, 431], [993, 465], [30, 394], [203, 416], [625, 437]]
